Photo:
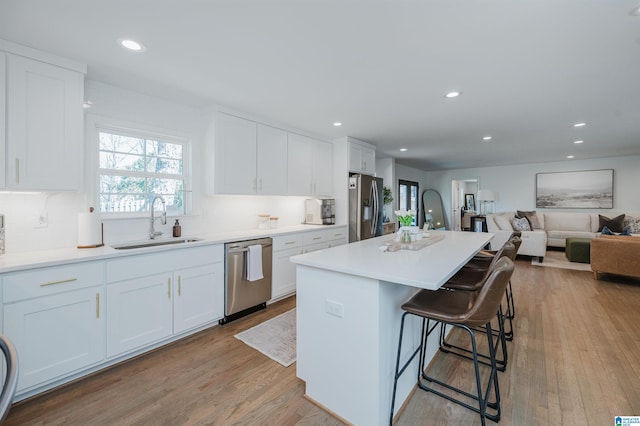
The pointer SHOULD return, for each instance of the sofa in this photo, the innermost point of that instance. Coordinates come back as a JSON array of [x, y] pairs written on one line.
[[551, 229], [615, 254]]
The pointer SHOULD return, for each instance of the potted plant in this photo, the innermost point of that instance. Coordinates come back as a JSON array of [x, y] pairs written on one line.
[[387, 199]]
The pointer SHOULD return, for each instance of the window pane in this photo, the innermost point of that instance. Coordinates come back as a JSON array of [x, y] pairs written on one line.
[[118, 161], [117, 203], [122, 184], [163, 165], [119, 143]]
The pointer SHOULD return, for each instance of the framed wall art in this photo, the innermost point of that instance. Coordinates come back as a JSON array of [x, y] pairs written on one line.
[[469, 202], [589, 189]]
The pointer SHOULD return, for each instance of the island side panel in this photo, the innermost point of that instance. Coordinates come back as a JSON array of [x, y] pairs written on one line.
[[347, 361]]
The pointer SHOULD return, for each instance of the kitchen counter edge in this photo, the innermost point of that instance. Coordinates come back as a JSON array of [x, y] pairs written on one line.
[[12, 262]]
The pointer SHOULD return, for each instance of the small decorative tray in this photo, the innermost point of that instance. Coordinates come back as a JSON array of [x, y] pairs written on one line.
[[414, 245]]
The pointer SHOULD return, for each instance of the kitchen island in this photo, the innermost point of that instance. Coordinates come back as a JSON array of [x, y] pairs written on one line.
[[348, 319]]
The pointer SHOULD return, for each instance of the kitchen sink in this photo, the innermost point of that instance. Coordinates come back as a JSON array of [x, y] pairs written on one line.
[[153, 243]]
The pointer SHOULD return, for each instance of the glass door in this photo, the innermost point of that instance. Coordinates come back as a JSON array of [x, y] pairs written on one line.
[[408, 197]]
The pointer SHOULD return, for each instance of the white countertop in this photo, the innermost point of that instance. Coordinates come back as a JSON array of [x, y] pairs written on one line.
[[427, 268], [43, 258]]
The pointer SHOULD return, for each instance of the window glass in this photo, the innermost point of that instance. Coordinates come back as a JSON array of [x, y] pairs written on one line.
[[134, 169]]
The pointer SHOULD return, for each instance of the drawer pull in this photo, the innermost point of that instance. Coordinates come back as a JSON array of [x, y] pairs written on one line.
[[58, 282], [290, 242], [317, 238]]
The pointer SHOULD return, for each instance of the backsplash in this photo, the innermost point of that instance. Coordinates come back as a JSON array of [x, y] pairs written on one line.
[[25, 231]]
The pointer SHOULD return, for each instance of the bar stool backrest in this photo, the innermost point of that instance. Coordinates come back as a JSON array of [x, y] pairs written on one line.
[[516, 241], [490, 295]]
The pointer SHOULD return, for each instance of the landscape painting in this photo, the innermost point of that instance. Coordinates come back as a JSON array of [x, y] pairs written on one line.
[[592, 189]]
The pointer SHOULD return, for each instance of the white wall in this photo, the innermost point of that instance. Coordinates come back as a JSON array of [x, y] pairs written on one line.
[[515, 184]]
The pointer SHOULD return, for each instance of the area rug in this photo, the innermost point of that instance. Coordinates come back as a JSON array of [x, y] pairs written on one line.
[[276, 338], [557, 259]]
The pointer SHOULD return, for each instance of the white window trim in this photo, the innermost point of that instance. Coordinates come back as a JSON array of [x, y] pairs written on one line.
[[95, 124]]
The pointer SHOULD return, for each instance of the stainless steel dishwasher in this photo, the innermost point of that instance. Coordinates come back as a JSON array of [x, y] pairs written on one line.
[[242, 296]]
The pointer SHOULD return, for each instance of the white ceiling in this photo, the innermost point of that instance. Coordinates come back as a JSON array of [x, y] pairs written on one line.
[[528, 69]]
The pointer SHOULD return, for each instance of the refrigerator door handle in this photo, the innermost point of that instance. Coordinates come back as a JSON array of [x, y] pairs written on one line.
[[374, 202]]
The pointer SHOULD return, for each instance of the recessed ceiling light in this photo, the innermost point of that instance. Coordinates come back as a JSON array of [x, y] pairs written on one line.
[[579, 124], [453, 94], [132, 45], [486, 138], [570, 157], [337, 124], [403, 149], [578, 142]]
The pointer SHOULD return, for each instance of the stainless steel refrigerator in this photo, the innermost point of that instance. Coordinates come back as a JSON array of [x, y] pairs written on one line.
[[365, 207]]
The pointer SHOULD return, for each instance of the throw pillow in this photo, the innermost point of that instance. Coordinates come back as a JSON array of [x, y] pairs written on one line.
[[633, 224], [615, 225], [606, 231], [520, 224], [532, 217], [503, 222]]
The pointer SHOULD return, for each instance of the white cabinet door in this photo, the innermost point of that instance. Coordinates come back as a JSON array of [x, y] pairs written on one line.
[[284, 272], [322, 165], [272, 161], [235, 155], [57, 334], [313, 247], [139, 312], [368, 160], [198, 296], [44, 126], [299, 165], [361, 159], [3, 123], [310, 166]]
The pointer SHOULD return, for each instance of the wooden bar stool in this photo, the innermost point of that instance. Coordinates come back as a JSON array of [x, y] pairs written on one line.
[[464, 310]]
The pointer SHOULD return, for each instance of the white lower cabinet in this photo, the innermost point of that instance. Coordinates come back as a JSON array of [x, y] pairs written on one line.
[[55, 318], [154, 296], [198, 290], [284, 247], [139, 312]]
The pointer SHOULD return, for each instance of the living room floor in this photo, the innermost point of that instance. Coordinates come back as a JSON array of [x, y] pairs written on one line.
[[575, 360]]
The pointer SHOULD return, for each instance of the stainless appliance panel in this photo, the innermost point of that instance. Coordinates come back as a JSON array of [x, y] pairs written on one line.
[[240, 293], [365, 207]]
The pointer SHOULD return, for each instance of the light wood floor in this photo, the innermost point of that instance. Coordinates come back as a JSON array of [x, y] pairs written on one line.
[[575, 360]]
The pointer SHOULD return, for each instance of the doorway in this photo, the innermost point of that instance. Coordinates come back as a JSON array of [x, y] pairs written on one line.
[[463, 202], [408, 197]]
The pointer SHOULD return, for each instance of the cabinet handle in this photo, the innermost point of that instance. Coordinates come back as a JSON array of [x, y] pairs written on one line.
[[17, 171], [179, 285], [289, 242], [260, 183], [97, 305], [317, 238], [58, 282], [169, 288]]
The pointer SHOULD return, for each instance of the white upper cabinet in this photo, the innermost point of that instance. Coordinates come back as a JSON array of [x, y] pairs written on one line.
[[235, 155], [362, 158], [250, 158], [271, 171], [310, 165], [44, 127]]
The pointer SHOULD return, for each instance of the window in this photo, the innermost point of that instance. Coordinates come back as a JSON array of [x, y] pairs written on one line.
[[136, 167], [408, 198]]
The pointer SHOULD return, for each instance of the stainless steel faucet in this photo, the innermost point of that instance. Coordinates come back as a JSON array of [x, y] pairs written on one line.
[[163, 217]]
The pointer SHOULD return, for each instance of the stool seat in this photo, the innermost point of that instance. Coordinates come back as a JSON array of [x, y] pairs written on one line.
[[442, 305]]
